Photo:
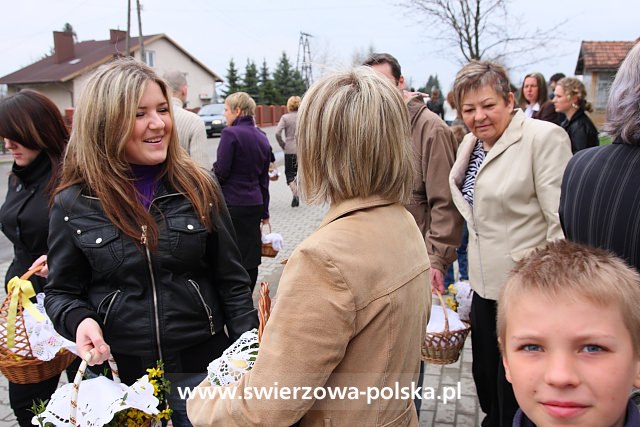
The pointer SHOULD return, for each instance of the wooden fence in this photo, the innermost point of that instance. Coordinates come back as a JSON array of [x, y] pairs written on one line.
[[266, 115]]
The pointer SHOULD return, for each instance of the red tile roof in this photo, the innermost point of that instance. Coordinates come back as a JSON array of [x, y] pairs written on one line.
[[88, 55], [602, 55]]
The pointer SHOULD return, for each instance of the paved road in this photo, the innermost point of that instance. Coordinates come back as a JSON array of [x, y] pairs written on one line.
[[295, 224]]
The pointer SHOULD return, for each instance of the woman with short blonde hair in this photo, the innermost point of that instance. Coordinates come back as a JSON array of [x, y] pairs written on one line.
[[353, 285], [242, 167], [506, 184], [243, 102], [363, 162]]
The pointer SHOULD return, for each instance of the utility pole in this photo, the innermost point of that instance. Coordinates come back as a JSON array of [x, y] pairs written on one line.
[[304, 66], [142, 58], [127, 48]]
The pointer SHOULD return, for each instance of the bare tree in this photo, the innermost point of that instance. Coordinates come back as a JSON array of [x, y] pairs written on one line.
[[483, 29], [360, 55]]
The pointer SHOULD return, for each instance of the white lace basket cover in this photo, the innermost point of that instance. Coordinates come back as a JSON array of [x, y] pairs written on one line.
[[437, 323], [44, 341], [97, 400], [464, 296], [235, 361]]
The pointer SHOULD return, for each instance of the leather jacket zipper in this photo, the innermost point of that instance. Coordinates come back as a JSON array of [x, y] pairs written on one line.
[[207, 309], [143, 241], [113, 295]]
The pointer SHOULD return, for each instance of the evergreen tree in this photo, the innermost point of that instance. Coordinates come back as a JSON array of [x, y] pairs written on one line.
[[267, 90], [284, 80], [233, 80], [250, 81], [68, 28], [298, 85]]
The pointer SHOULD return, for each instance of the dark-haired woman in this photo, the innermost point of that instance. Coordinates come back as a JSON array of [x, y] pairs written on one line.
[[34, 133], [534, 100]]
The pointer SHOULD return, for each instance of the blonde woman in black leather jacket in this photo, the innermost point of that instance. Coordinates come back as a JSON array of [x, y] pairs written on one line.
[[142, 254]]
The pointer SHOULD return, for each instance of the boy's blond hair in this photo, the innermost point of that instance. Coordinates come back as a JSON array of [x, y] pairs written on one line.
[[565, 270]]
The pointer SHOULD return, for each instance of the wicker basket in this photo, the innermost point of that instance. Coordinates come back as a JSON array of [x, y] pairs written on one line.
[[267, 248], [274, 174], [443, 348], [264, 308], [18, 363]]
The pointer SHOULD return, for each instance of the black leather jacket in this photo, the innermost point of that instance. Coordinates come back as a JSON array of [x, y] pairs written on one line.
[[24, 216], [150, 304], [582, 131]]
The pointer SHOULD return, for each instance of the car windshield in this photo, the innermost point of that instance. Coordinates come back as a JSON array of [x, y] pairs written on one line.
[[211, 110]]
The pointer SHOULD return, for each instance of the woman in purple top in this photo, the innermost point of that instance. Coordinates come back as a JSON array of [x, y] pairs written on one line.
[[242, 167]]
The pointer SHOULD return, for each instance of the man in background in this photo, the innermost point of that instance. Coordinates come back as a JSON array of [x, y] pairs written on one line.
[[553, 81], [431, 204], [190, 128]]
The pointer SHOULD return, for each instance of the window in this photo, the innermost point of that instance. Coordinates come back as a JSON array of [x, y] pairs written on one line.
[[150, 58], [603, 86]]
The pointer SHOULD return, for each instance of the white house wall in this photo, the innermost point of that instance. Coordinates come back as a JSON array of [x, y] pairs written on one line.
[[59, 93], [199, 81]]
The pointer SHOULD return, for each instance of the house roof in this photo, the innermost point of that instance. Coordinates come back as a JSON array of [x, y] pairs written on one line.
[[602, 55], [88, 55]]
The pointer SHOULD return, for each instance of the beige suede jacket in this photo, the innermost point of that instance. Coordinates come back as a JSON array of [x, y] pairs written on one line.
[[516, 198], [351, 311]]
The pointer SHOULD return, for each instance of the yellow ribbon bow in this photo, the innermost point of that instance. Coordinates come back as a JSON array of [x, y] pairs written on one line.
[[20, 290]]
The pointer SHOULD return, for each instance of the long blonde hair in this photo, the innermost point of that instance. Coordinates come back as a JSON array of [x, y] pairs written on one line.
[[103, 123]]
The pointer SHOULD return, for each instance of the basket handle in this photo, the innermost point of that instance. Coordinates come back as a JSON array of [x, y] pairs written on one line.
[[264, 308], [262, 225], [78, 379], [444, 308], [33, 271]]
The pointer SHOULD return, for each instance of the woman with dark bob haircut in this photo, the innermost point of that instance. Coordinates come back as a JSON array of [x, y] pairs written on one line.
[[34, 133]]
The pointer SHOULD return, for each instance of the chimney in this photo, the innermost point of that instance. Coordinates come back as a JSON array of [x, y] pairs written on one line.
[[63, 47], [117, 36]]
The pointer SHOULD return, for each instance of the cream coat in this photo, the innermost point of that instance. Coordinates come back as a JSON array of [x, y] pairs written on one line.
[[351, 311], [516, 198]]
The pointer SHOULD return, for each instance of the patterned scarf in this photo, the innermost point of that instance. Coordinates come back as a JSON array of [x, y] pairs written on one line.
[[475, 161]]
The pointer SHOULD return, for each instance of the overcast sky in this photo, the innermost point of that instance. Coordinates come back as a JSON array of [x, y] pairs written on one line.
[[215, 31]]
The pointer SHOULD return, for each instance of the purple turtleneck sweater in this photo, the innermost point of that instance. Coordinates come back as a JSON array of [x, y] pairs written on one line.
[[146, 181]]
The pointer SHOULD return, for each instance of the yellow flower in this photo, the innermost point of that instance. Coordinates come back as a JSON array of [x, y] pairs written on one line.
[[155, 372], [451, 303], [452, 289], [239, 363]]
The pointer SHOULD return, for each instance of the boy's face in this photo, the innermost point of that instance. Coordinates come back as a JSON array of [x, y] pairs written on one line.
[[571, 363]]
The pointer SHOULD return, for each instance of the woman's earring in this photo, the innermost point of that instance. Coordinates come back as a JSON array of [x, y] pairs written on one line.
[[574, 105]]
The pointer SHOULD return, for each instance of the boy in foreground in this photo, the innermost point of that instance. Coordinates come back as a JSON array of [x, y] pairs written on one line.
[[569, 332]]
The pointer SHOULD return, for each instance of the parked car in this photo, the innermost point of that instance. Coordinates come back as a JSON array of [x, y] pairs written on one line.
[[213, 117]]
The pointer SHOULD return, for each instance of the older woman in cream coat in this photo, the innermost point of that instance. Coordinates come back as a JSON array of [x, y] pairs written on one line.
[[353, 298], [506, 184]]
